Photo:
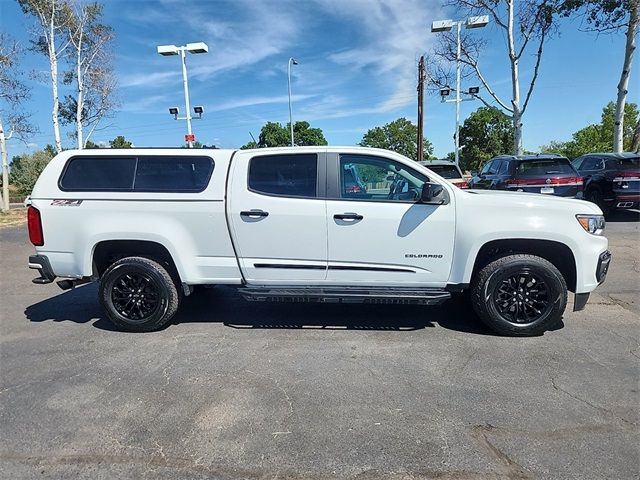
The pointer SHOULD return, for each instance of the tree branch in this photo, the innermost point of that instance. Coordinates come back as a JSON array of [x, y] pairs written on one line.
[[535, 72]]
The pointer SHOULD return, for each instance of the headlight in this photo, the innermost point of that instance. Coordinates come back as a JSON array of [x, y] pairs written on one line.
[[592, 223]]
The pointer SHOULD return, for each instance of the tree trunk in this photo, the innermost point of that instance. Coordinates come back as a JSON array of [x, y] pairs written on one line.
[[53, 63], [623, 85], [80, 99], [5, 170], [515, 83]]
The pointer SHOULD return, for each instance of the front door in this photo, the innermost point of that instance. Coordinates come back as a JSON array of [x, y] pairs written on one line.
[[278, 216], [379, 234]]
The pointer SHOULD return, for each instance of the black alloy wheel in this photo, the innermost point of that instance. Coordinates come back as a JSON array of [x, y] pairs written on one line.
[[139, 294], [135, 296], [522, 297]]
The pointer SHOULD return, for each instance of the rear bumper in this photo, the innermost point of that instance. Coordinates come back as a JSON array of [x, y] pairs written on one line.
[[626, 200], [41, 263]]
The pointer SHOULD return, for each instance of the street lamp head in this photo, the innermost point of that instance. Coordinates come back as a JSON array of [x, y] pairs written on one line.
[[474, 90], [167, 50], [442, 25], [293, 61], [444, 92], [477, 22], [174, 111], [198, 47], [199, 109]]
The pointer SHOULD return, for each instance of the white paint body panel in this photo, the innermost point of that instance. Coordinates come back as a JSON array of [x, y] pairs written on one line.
[[193, 227]]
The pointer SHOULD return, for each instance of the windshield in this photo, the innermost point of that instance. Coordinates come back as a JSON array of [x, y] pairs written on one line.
[[550, 166], [445, 171]]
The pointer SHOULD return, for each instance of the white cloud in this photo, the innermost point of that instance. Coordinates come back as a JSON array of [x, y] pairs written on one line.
[[395, 33], [253, 101]]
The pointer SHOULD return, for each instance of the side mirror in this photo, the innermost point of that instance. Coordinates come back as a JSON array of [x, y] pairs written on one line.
[[432, 193]]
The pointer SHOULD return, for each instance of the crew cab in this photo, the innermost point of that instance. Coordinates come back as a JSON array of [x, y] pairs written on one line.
[[611, 180], [287, 224]]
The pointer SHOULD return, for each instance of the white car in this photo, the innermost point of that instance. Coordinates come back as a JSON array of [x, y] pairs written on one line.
[[447, 169], [287, 224]]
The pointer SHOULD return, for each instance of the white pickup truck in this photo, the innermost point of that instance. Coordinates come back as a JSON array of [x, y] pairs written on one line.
[[327, 224]]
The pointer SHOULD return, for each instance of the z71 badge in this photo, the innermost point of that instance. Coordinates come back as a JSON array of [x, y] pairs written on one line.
[[66, 203]]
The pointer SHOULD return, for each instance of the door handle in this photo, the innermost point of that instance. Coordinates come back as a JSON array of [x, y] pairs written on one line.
[[254, 213], [348, 216]]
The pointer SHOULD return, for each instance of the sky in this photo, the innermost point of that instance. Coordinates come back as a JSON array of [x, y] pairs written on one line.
[[357, 70]]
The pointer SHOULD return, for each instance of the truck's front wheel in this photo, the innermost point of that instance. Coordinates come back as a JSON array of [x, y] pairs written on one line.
[[519, 295], [138, 294]]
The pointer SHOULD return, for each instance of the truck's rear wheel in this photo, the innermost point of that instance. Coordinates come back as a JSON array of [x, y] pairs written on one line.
[[519, 295], [138, 294]]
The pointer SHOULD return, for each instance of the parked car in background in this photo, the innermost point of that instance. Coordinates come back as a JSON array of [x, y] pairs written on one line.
[[447, 169], [611, 180], [549, 174]]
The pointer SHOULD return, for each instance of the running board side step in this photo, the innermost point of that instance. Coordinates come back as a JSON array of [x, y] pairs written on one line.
[[415, 296]]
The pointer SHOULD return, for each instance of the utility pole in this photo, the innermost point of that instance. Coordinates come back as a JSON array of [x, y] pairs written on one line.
[[421, 77]]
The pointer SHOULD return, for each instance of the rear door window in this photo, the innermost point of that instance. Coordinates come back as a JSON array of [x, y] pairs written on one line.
[[284, 175]]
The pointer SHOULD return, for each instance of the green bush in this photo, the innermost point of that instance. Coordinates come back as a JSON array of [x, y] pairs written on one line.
[[26, 169]]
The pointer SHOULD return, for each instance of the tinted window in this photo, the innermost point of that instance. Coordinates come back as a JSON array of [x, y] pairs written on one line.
[[632, 163], [592, 163], [445, 171], [495, 166], [172, 174], [289, 175], [504, 168], [547, 166], [98, 173], [487, 166], [143, 174], [378, 179]]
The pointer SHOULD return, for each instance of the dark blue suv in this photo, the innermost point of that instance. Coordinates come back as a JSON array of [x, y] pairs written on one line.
[[544, 173]]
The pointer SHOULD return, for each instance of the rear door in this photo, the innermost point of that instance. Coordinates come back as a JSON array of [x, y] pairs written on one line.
[[381, 235], [277, 214]]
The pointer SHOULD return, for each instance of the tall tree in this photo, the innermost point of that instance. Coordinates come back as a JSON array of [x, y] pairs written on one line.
[[399, 136], [524, 23], [599, 137], [91, 71], [606, 16], [52, 17], [487, 132], [26, 169], [274, 134], [120, 142], [13, 93]]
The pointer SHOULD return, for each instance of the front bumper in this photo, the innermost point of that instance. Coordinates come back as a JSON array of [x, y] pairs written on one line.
[[41, 263], [604, 260], [603, 266]]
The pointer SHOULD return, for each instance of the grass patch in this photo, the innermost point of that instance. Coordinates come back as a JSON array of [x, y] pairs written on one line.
[[15, 216]]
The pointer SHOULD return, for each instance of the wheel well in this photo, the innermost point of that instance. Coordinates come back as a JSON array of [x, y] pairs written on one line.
[[555, 252], [107, 252]]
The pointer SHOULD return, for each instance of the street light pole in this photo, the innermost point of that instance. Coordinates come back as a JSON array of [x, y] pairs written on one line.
[[294, 62], [458, 97], [185, 81], [445, 26], [167, 50]]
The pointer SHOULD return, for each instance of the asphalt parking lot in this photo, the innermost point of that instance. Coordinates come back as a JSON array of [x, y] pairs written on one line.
[[237, 390]]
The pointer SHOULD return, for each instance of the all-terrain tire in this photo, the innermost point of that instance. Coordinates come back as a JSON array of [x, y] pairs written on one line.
[[519, 295], [138, 294]]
